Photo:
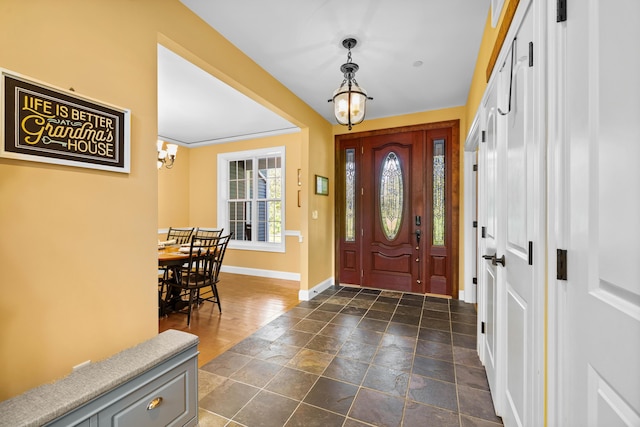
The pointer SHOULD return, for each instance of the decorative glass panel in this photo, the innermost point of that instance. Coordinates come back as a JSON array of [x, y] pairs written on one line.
[[391, 193], [438, 193], [350, 196]]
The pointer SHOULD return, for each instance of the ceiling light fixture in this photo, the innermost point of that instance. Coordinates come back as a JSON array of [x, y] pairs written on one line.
[[166, 156], [349, 100]]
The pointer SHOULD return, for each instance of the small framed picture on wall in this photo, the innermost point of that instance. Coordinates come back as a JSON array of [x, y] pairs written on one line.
[[322, 185]]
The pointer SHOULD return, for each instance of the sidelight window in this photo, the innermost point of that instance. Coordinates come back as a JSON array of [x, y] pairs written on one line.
[[350, 196], [438, 192]]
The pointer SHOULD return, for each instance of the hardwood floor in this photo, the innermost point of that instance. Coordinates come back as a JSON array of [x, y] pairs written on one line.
[[248, 302]]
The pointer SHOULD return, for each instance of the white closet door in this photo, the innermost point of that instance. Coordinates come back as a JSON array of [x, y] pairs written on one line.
[[599, 304], [524, 188], [490, 230]]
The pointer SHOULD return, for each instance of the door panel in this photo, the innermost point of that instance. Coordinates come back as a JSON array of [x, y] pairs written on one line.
[[601, 319], [521, 203], [491, 328], [489, 235], [392, 198]]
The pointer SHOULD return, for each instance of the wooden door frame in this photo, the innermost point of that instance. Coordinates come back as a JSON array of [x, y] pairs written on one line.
[[454, 169]]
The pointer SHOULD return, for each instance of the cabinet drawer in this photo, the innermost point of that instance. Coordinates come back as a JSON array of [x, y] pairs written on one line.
[[163, 402]]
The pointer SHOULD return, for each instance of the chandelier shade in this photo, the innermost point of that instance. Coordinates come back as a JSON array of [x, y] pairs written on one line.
[[166, 157], [349, 100]]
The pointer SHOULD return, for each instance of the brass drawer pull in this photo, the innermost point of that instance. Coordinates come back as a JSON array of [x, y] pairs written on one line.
[[154, 403]]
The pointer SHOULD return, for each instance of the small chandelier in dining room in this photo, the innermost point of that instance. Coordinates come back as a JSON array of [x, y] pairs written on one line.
[[349, 100], [166, 157]]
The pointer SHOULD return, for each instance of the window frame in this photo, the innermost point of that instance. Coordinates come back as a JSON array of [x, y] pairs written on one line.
[[223, 196]]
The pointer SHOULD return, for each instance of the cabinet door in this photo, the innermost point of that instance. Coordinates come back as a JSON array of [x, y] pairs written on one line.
[[169, 400]]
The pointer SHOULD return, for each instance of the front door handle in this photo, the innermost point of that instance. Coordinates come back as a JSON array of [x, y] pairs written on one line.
[[418, 235], [494, 259]]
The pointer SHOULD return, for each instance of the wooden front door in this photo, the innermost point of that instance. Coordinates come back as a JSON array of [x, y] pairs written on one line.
[[396, 209], [392, 198]]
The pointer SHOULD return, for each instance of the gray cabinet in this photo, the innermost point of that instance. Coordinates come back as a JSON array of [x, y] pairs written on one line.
[[166, 395], [152, 384]]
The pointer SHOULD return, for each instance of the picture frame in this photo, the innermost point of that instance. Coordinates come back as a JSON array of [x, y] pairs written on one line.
[[322, 185], [43, 123]]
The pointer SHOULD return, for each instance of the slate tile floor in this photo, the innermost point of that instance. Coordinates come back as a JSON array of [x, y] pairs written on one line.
[[353, 357]]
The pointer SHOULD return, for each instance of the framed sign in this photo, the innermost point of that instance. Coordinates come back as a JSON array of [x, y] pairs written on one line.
[[322, 185], [41, 123]]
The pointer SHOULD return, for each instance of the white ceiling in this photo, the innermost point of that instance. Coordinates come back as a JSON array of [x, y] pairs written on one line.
[[414, 55]]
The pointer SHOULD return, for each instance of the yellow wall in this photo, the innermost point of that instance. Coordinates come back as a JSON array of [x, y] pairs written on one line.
[[455, 113], [173, 193], [203, 210], [78, 248], [479, 80]]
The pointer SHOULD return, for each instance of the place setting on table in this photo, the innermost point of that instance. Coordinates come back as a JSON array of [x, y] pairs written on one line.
[[169, 252]]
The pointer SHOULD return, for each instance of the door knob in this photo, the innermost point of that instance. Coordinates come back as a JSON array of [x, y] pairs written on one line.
[[494, 259]]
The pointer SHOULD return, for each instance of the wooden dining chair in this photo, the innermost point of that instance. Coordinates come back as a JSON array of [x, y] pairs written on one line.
[[208, 232], [180, 235], [198, 280]]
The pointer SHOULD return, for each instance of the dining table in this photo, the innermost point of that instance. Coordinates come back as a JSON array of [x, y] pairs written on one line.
[[170, 261], [170, 256]]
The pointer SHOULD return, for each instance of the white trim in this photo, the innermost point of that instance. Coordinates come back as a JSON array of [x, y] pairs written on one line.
[[306, 295], [557, 218], [242, 137], [470, 215], [538, 297], [294, 233], [470, 210], [271, 274], [472, 141]]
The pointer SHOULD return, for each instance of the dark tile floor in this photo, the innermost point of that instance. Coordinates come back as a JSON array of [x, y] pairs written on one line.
[[353, 357]]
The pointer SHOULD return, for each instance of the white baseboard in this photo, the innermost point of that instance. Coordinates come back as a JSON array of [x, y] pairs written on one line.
[[306, 295], [272, 274], [461, 295], [471, 295]]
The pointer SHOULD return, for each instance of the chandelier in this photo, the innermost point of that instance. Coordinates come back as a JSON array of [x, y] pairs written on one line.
[[166, 157], [349, 100]]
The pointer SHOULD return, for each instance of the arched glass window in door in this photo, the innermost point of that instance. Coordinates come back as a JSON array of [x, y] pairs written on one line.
[[391, 195]]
